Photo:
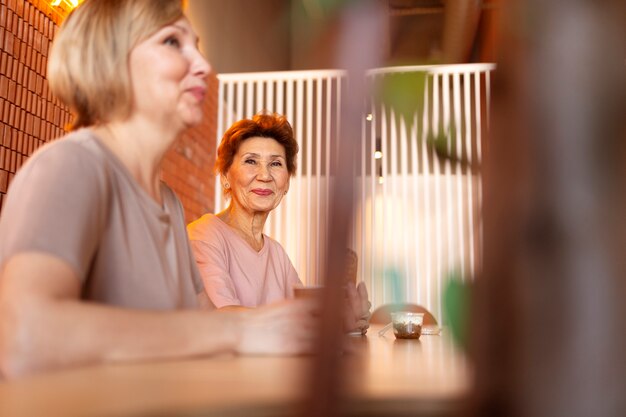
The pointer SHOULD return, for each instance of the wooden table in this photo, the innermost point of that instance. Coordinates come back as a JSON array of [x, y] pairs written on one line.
[[388, 377]]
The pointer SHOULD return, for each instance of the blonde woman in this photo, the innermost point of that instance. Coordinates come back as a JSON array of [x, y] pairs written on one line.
[[95, 265]]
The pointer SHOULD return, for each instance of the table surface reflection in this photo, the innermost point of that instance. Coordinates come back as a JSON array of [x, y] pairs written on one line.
[[386, 377]]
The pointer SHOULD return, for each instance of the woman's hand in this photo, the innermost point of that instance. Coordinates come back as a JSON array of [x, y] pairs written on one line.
[[358, 312], [284, 328]]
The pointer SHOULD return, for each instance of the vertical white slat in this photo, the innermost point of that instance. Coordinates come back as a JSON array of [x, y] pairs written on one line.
[[299, 114], [327, 149], [276, 101], [280, 99], [376, 116], [448, 179], [289, 113], [479, 188], [458, 177], [415, 176], [269, 96], [222, 106], [240, 100], [360, 250], [469, 138], [385, 192], [279, 215], [259, 97], [341, 81], [425, 195], [249, 99], [404, 214], [318, 174], [391, 178], [438, 216], [309, 176]]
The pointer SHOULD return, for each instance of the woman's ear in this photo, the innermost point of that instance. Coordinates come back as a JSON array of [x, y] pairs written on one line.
[[224, 181]]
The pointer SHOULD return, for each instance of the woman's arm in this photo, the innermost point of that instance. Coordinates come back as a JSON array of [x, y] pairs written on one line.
[[44, 324]]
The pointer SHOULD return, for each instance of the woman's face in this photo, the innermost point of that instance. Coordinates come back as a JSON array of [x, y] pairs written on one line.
[[168, 76], [258, 177]]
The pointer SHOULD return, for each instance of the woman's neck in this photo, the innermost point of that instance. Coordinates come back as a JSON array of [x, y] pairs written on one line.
[[248, 225], [141, 148]]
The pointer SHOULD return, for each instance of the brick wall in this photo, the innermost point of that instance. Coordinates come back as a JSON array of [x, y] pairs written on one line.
[[31, 116], [188, 167]]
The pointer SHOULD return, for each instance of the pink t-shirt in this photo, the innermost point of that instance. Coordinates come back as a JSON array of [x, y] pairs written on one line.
[[233, 272]]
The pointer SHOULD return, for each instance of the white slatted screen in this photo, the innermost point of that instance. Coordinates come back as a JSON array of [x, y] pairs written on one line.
[[416, 214]]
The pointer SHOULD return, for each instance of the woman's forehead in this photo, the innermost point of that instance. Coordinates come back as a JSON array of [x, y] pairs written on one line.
[[262, 146]]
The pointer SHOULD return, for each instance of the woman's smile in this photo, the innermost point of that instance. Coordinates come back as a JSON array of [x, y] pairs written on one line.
[[262, 191]]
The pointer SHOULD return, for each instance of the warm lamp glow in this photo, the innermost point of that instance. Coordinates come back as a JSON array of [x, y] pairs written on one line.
[[70, 4]]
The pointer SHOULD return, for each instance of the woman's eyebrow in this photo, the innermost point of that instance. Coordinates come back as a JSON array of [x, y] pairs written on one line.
[[187, 32]]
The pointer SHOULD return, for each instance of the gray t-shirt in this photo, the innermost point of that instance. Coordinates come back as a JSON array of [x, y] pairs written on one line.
[[75, 200]]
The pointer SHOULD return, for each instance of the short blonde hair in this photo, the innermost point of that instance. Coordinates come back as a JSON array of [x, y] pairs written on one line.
[[88, 67]]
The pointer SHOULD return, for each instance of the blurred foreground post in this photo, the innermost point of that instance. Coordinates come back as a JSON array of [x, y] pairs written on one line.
[[550, 309], [361, 33]]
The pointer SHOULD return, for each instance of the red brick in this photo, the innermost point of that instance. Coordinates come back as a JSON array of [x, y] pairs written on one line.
[[30, 33], [8, 42], [11, 121], [2, 154], [36, 125], [39, 84], [24, 80], [31, 15], [18, 97], [29, 124], [21, 117], [4, 62], [37, 42], [19, 141], [12, 68], [5, 113], [11, 91], [20, 27], [31, 80], [20, 73], [20, 8], [7, 160], [12, 161], [4, 86], [3, 15]]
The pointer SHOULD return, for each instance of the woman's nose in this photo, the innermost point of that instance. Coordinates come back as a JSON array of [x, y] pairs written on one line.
[[201, 67], [264, 173]]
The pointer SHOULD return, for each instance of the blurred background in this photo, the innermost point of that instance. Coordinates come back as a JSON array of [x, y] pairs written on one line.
[[490, 150]]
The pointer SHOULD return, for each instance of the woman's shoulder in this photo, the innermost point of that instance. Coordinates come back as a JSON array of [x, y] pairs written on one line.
[[77, 141], [206, 226], [72, 157]]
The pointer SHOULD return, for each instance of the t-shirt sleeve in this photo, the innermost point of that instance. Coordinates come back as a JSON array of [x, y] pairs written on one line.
[[292, 279], [56, 205], [291, 275], [212, 260]]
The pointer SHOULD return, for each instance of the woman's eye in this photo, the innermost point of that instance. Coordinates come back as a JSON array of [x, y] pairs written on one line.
[[277, 164], [250, 161], [172, 41]]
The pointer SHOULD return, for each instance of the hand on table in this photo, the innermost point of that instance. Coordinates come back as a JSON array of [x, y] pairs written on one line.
[[284, 328], [358, 308]]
